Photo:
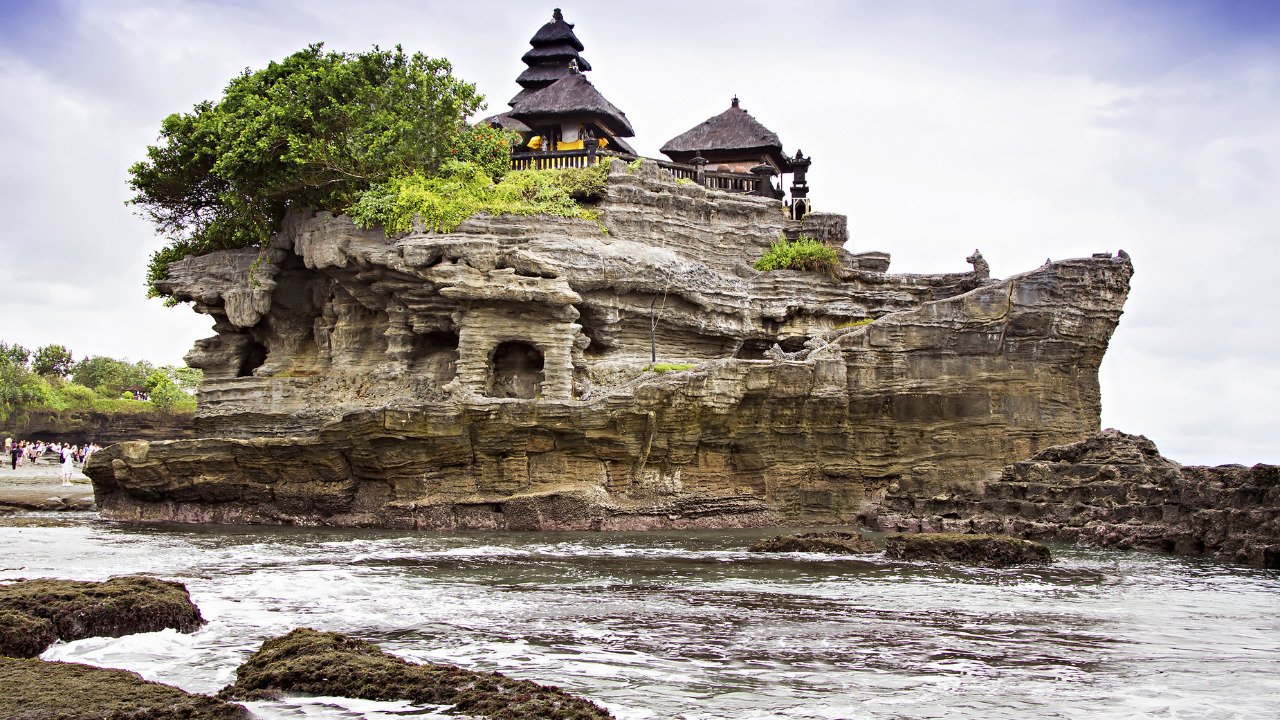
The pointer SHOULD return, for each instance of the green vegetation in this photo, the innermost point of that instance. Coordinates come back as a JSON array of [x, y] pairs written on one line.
[[855, 324], [442, 202], [803, 253], [669, 367], [317, 130], [634, 166], [325, 663], [99, 384]]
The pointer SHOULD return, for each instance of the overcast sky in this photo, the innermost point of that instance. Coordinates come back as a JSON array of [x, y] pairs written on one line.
[[1030, 130]]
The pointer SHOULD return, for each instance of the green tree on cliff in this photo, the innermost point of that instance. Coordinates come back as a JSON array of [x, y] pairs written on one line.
[[52, 361], [313, 130]]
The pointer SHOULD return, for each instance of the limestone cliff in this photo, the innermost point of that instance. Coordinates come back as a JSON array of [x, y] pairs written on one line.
[[495, 377]]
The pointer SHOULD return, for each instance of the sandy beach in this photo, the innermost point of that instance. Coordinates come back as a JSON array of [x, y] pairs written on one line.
[[39, 487]]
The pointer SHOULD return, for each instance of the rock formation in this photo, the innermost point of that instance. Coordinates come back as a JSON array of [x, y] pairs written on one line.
[[1111, 490], [969, 549], [496, 376]]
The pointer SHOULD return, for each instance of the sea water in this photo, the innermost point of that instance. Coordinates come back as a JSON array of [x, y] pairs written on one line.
[[691, 625]]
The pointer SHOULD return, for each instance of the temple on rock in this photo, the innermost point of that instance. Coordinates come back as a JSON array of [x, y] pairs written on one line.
[[631, 369], [564, 121]]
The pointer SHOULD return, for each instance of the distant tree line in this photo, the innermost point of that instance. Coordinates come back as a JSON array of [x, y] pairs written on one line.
[[49, 379]]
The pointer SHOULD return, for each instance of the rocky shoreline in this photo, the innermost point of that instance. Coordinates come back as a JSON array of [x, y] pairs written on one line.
[[1110, 490]]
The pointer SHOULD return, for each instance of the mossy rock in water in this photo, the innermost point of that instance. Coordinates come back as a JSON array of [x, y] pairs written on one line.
[[992, 550], [324, 663], [817, 542], [39, 690], [119, 606], [23, 635]]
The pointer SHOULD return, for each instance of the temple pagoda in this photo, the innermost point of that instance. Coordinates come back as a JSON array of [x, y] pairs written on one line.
[[557, 108]]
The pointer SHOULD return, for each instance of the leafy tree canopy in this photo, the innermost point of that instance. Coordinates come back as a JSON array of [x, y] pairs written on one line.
[[313, 130], [52, 361]]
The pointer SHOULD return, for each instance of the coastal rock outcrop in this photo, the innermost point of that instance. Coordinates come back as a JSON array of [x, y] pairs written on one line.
[[1111, 490], [38, 690], [831, 541], [992, 550], [325, 663], [499, 376], [76, 609]]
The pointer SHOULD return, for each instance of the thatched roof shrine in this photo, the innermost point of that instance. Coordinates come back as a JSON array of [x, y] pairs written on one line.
[[571, 99], [555, 48], [732, 136]]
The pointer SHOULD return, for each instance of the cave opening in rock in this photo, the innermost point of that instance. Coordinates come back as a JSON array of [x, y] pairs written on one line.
[[252, 357], [435, 354], [516, 371]]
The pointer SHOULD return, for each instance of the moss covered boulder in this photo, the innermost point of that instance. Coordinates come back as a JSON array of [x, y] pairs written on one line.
[[78, 609], [817, 542], [309, 662], [23, 635], [39, 690], [991, 550]]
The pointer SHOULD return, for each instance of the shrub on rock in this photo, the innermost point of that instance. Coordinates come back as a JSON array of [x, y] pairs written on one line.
[[119, 606], [993, 550], [23, 635], [324, 663], [39, 690], [817, 542]]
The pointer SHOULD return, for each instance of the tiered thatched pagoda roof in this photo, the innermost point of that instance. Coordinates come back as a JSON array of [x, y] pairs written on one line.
[[555, 47], [733, 135], [571, 99]]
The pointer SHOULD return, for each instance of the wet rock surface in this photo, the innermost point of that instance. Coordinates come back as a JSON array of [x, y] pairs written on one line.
[[325, 663], [989, 550], [119, 606], [1113, 490], [817, 542], [495, 377], [23, 635], [38, 690]]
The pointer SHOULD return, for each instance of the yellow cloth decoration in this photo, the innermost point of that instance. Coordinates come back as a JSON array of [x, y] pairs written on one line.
[[603, 142], [575, 145], [535, 142]]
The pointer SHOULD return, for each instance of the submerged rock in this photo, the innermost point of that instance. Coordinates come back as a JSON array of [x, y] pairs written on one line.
[[324, 663], [992, 550], [39, 690], [23, 635], [119, 606], [817, 542]]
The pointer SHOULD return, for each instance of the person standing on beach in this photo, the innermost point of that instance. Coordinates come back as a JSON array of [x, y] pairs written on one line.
[[14, 452], [68, 466]]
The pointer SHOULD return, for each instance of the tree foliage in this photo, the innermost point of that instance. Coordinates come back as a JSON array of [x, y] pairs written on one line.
[[52, 361], [100, 384], [315, 130]]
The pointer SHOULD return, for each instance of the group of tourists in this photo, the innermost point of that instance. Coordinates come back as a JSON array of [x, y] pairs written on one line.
[[68, 455]]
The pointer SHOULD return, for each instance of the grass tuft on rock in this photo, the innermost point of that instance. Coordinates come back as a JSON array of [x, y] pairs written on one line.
[[990, 550], [669, 367], [39, 690], [835, 542], [119, 606], [804, 253], [310, 662], [23, 635]]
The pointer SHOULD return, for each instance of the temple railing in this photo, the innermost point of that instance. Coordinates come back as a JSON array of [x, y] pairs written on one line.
[[722, 181], [561, 159]]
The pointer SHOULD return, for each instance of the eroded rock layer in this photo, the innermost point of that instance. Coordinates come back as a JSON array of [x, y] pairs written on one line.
[[496, 376], [1112, 490]]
